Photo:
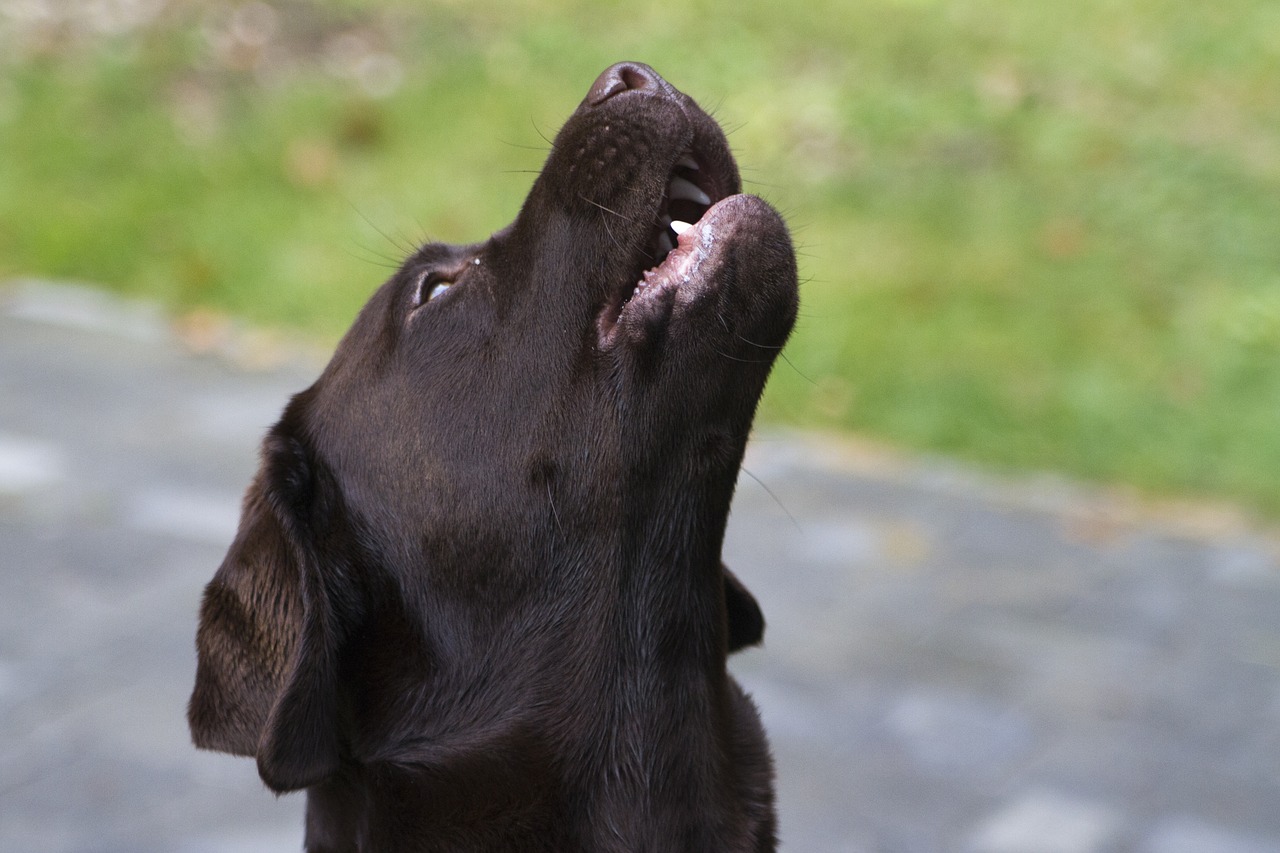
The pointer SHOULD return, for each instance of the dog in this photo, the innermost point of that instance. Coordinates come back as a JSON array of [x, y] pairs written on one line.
[[476, 601]]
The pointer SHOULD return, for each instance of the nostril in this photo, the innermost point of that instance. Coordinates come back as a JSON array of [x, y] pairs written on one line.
[[636, 78], [624, 77]]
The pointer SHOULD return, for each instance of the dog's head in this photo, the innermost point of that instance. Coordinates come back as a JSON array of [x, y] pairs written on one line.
[[509, 436]]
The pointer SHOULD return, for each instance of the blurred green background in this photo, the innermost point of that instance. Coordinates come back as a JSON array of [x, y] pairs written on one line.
[[1041, 236]]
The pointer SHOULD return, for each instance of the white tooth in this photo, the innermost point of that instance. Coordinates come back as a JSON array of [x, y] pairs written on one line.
[[664, 242], [680, 227], [688, 162], [680, 188]]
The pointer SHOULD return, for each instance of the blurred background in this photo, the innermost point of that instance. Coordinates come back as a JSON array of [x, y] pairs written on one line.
[[1033, 238], [1036, 236]]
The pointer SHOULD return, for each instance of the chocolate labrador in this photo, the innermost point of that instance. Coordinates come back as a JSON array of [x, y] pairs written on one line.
[[476, 600]]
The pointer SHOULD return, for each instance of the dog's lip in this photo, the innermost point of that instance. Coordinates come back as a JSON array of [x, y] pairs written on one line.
[[685, 275], [682, 264], [676, 245]]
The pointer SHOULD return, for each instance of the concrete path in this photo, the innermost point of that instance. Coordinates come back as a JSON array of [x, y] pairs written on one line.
[[953, 663]]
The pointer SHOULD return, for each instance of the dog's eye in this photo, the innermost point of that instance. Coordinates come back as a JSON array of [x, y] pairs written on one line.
[[430, 285]]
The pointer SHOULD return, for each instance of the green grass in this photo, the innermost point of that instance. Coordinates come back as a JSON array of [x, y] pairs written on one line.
[[1037, 236]]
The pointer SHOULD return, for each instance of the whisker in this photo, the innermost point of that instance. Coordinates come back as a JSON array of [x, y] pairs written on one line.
[[605, 224], [799, 372], [743, 360], [554, 513], [754, 344], [373, 257], [538, 130], [776, 499], [406, 249], [605, 209], [751, 182], [524, 147]]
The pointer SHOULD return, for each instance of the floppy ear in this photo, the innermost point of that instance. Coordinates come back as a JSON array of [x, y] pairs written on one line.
[[746, 621], [270, 630]]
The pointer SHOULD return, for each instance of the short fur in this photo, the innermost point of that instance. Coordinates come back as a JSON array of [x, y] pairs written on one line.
[[476, 600]]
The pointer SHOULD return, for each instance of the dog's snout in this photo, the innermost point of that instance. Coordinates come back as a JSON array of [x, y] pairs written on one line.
[[626, 77]]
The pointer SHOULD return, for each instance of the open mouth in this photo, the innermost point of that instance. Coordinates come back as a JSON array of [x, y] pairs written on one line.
[[690, 193], [676, 244]]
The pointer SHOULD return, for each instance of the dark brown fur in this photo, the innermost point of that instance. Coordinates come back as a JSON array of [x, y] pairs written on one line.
[[476, 600]]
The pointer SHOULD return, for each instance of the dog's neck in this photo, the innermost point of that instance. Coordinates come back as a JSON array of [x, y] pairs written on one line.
[[666, 568], [667, 670]]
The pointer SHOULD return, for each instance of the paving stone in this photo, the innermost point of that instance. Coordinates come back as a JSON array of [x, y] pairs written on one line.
[[959, 735], [1047, 822], [27, 464], [171, 510], [1185, 834]]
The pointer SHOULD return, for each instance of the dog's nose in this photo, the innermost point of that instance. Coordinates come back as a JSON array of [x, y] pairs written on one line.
[[626, 77]]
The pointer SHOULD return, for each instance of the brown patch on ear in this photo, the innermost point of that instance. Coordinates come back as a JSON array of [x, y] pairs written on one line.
[[746, 620], [270, 633]]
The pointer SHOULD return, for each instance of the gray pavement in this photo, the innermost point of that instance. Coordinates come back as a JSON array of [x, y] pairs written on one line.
[[954, 662]]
